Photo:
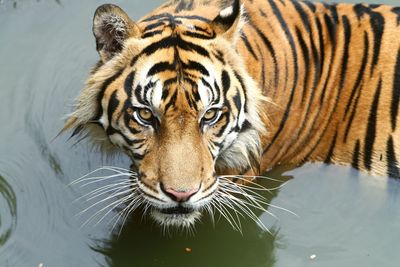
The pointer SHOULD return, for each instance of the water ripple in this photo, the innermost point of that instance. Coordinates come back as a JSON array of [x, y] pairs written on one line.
[[8, 208]]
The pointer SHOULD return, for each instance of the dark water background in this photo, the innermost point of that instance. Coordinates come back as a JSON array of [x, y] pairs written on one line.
[[345, 218]]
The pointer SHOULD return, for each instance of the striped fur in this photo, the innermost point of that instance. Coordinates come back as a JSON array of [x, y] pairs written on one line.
[[292, 81]]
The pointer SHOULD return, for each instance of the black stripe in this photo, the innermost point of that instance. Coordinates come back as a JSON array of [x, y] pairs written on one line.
[[188, 46], [237, 101], [206, 31], [128, 85], [137, 156], [198, 35], [248, 45], [217, 92], [195, 91], [396, 10], [134, 60], [103, 88], [127, 120], [346, 43], [263, 74], [310, 5], [377, 25], [226, 81], [112, 106], [193, 65], [334, 13], [303, 15], [162, 44], [393, 165], [356, 155], [151, 34], [171, 101], [223, 127], [174, 41], [328, 158], [111, 130], [160, 67], [246, 126], [271, 50], [321, 46], [153, 26], [360, 73], [219, 56], [371, 128], [170, 81], [361, 10], [194, 17], [394, 107], [374, 6], [331, 26], [188, 99], [158, 16], [306, 58], [317, 67], [240, 79], [352, 115], [138, 94]]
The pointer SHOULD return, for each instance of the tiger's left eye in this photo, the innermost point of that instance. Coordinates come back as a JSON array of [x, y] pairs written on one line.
[[145, 115], [211, 116]]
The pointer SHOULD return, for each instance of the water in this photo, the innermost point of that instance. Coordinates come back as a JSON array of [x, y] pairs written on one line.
[[345, 218]]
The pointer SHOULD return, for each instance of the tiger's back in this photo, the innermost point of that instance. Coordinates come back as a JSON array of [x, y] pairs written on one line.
[[332, 73]]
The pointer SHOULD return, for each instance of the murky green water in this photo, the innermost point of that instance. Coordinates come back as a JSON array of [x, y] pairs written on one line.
[[345, 218]]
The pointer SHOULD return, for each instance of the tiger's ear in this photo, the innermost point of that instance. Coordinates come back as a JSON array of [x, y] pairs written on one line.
[[111, 27], [227, 23]]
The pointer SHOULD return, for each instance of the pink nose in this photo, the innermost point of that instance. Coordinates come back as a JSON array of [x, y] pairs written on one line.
[[179, 196]]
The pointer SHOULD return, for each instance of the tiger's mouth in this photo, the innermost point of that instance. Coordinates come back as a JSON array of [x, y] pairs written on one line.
[[176, 210], [175, 216]]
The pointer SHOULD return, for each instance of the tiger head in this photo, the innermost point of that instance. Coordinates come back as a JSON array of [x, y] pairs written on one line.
[[172, 92]]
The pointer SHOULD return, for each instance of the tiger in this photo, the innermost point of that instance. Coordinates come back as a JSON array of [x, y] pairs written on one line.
[[199, 89]]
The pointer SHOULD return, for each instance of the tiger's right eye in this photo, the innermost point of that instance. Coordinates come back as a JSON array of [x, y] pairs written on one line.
[[145, 116], [211, 116]]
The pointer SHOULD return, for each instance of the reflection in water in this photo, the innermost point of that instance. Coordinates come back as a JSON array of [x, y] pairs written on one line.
[[16, 3], [142, 243], [8, 208], [35, 130]]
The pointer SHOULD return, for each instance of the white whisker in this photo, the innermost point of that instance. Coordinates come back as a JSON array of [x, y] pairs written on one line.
[[112, 205], [243, 177], [105, 188]]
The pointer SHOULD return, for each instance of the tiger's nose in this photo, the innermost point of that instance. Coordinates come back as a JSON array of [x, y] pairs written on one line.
[[179, 195]]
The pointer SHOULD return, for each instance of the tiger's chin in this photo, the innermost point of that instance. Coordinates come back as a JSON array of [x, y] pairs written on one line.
[[179, 217]]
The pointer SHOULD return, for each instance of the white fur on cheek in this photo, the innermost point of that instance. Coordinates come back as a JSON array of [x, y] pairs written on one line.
[[156, 95], [205, 94], [117, 139], [103, 120]]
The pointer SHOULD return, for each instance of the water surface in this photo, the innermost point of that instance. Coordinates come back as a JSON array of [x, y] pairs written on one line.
[[344, 218]]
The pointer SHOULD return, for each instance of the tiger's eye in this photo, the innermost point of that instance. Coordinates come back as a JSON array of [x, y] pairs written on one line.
[[145, 114], [211, 116]]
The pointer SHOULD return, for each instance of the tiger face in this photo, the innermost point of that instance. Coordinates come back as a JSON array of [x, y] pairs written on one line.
[[173, 94]]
